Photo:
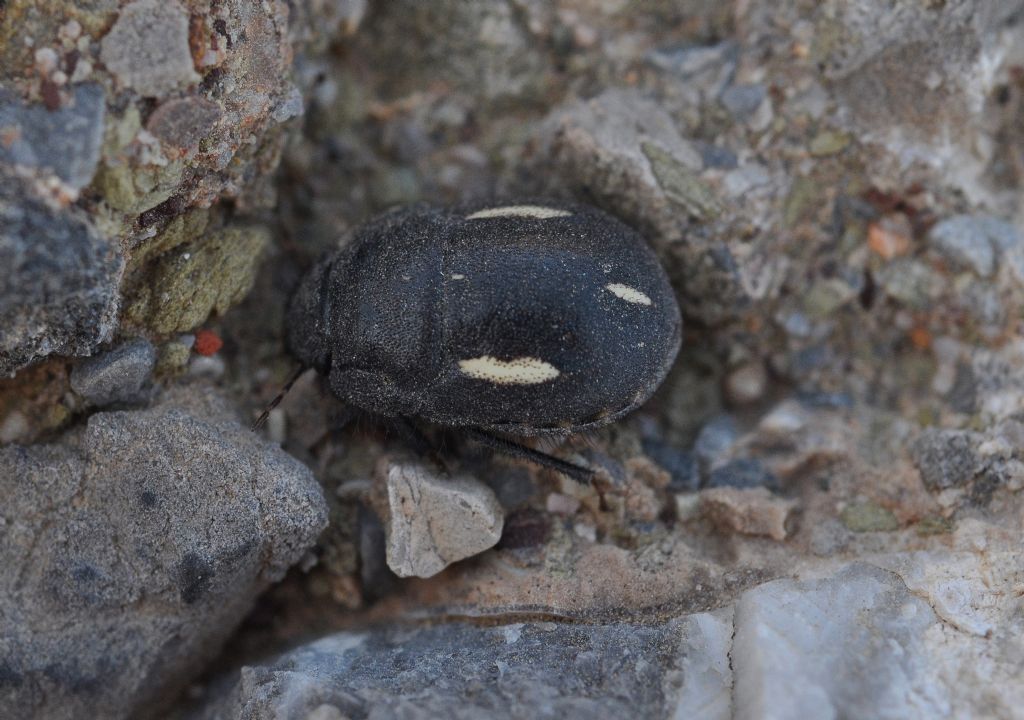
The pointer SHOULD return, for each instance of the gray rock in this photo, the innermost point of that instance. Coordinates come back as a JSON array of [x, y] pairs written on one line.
[[974, 241], [115, 376], [710, 65], [65, 141], [743, 473], [433, 522], [132, 548], [849, 646], [614, 146], [714, 439], [743, 100], [147, 48], [678, 463], [526, 670], [58, 288], [946, 458]]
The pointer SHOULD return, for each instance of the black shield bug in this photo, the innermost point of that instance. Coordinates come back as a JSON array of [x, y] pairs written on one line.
[[523, 318]]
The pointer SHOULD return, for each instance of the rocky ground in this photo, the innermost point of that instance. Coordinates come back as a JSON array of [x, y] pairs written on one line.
[[818, 515]]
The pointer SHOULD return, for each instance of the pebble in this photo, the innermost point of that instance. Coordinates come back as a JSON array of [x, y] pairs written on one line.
[[115, 376], [748, 511], [742, 101], [743, 473], [147, 48], [714, 439], [946, 458], [974, 241], [747, 383], [433, 521], [680, 464]]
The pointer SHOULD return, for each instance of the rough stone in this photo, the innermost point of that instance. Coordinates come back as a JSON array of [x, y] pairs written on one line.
[[743, 100], [65, 141], [616, 145], [714, 440], [117, 375], [743, 473], [855, 647], [58, 289], [747, 383], [974, 242], [433, 522], [182, 123], [752, 511], [680, 464], [524, 670], [133, 547], [946, 458], [148, 48]]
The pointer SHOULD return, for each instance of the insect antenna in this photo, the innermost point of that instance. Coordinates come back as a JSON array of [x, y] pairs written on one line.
[[277, 399]]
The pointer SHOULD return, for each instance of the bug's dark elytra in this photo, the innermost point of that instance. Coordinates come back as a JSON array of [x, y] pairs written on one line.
[[522, 317]]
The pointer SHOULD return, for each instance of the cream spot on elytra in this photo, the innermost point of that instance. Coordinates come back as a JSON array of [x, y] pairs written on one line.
[[517, 371], [627, 293], [537, 212], [458, 276]]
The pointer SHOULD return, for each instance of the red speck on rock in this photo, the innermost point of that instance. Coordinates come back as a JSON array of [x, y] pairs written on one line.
[[207, 343]]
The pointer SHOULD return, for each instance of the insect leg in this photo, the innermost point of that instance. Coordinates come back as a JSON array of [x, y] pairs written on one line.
[[277, 399], [509, 447]]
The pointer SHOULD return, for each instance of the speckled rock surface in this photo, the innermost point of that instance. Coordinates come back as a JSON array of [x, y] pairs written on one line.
[[523, 670], [133, 547], [58, 291], [118, 375]]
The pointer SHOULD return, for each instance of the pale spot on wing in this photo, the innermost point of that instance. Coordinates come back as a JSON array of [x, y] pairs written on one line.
[[627, 293], [458, 276], [537, 212], [517, 371]]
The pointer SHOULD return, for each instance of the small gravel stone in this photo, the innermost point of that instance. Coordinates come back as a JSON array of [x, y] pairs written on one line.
[[115, 376], [680, 464], [147, 48], [714, 439], [433, 522], [946, 458], [746, 384], [973, 241], [743, 473], [743, 100], [751, 511]]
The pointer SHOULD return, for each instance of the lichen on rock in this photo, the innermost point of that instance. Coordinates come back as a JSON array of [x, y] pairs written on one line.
[[195, 279]]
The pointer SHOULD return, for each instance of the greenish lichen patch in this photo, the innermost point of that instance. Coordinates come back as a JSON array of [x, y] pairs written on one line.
[[136, 189], [868, 517], [198, 278], [681, 185], [181, 229]]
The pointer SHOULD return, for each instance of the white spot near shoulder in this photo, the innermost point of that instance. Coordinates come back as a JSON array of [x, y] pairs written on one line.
[[627, 293], [517, 371], [537, 212]]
